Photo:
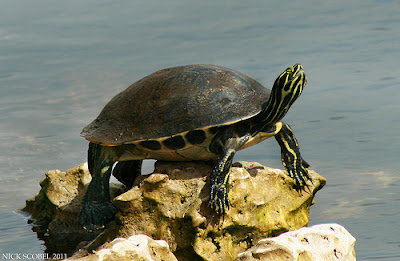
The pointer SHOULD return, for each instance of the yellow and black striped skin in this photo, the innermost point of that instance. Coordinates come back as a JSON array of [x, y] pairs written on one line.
[[217, 141], [287, 88], [296, 166]]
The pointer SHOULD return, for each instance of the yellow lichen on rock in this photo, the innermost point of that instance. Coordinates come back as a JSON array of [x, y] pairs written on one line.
[[263, 203]]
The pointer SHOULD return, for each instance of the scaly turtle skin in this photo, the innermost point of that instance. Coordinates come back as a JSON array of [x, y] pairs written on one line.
[[193, 112]]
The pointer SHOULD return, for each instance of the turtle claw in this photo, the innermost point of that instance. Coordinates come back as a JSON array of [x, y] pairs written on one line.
[[299, 172], [95, 215], [219, 200]]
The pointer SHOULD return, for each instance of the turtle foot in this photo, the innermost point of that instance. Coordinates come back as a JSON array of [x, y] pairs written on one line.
[[219, 200], [95, 215], [299, 172]]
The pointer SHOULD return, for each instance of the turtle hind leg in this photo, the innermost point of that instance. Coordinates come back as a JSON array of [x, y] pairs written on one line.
[[295, 165], [127, 171], [97, 208]]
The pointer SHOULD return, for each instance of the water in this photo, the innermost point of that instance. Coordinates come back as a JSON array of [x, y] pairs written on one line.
[[61, 62]]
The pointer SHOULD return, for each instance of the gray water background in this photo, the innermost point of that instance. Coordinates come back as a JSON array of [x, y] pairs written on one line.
[[61, 61]]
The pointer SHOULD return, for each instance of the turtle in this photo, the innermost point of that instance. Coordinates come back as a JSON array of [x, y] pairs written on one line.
[[187, 113]]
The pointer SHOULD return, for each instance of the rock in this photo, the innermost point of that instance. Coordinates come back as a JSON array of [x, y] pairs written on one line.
[[60, 195], [137, 247], [319, 242], [172, 204]]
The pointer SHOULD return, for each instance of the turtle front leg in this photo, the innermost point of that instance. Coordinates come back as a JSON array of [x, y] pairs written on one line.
[[97, 208], [219, 180], [295, 165], [219, 183]]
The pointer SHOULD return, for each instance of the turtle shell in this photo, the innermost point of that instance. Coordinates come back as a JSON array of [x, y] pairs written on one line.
[[175, 100]]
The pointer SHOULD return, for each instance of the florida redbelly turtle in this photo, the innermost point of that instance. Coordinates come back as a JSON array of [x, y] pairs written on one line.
[[192, 112]]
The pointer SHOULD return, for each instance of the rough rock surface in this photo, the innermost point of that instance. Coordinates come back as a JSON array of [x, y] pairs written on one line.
[[319, 242], [56, 208], [172, 204], [61, 193], [137, 247]]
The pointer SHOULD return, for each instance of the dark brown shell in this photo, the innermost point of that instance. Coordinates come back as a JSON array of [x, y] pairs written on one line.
[[176, 100]]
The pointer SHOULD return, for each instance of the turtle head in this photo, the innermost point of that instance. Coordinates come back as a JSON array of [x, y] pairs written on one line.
[[291, 82], [287, 88]]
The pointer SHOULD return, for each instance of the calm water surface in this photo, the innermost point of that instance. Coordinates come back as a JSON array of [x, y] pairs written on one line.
[[61, 62]]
